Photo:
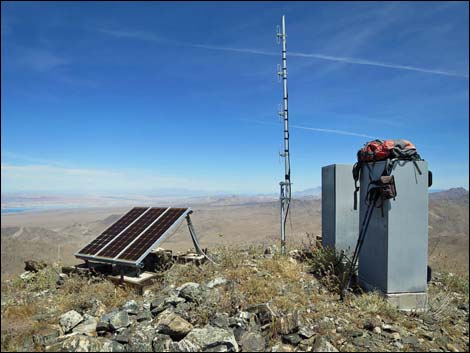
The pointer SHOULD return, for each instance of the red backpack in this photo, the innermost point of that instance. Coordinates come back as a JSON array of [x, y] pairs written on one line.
[[379, 150]]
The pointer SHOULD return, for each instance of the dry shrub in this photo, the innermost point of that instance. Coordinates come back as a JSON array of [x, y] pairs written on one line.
[[330, 267], [78, 293], [19, 312], [455, 283], [374, 304], [18, 328]]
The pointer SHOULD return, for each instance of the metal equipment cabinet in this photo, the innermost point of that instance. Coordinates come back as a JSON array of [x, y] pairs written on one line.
[[393, 258], [340, 222]]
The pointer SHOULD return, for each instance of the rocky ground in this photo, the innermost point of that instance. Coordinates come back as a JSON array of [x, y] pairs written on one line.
[[253, 300]]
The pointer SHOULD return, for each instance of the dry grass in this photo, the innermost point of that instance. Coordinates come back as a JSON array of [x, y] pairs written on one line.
[[75, 295], [26, 299], [285, 284], [373, 304], [253, 279]]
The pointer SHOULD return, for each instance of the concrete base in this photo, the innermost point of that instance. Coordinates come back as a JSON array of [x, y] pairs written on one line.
[[139, 283], [417, 302]]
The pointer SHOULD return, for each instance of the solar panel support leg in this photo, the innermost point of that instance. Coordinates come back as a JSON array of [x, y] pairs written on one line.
[[197, 246], [192, 232]]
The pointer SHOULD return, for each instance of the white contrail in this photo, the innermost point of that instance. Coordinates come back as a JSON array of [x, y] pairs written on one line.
[[357, 61], [329, 131], [332, 131], [346, 60]]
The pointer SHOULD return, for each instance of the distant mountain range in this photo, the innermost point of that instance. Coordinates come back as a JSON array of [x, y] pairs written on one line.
[[13, 203], [308, 192], [450, 194]]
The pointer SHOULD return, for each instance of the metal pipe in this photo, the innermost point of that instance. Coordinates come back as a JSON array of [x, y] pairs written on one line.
[[285, 196], [285, 98]]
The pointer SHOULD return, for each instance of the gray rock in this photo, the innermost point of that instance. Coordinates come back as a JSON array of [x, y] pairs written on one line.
[[219, 348], [192, 292], [158, 305], [87, 326], [26, 276], [184, 310], [400, 346], [372, 323], [306, 332], [119, 320], [244, 315], [102, 326], [122, 337], [131, 307], [173, 300], [96, 308], [61, 277], [141, 338], [287, 324], [280, 347], [219, 281], [306, 345], [69, 320], [322, 345], [355, 333], [80, 343], [112, 346], [361, 342], [293, 339], [263, 312], [412, 340], [161, 343], [144, 315], [48, 337], [184, 346], [252, 342], [209, 337], [173, 325], [389, 328], [220, 320], [238, 332], [236, 321]]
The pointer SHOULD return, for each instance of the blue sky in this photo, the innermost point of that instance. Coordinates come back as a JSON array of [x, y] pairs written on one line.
[[136, 97]]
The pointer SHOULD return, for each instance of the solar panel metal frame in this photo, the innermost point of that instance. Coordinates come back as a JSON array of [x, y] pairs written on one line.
[[137, 262]]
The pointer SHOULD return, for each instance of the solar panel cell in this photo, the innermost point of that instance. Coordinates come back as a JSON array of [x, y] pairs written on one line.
[[131, 233], [110, 233], [147, 239]]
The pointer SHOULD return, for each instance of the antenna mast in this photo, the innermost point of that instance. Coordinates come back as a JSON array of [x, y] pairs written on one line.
[[285, 196]]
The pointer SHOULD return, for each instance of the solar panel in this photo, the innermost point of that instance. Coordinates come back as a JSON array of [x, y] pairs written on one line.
[[131, 233], [152, 235], [110, 233], [134, 235]]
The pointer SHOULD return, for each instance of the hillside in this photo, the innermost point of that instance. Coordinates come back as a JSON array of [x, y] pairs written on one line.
[[253, 300], [220, 221]]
